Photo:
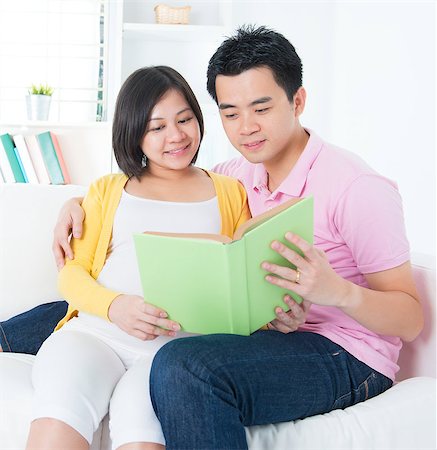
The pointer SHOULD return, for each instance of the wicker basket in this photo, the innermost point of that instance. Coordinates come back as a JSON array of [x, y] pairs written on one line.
[[167, 14]]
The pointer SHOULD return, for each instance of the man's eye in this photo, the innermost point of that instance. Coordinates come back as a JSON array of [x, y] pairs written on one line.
[[262, 110], [230, 116]]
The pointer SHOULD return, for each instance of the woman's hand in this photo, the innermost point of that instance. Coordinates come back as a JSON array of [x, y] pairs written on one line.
[[70, 219], [140, 319], [287, 322], [313, 279]]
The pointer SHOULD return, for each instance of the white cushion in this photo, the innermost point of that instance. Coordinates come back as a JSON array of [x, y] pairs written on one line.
[[401, 418], [404, 417], [28, 272]]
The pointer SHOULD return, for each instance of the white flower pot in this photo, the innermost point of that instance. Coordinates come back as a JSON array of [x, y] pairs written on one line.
[[38, 107]]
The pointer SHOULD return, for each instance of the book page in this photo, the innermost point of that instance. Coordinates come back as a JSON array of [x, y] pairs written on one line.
[[258, 220], [207, 236]]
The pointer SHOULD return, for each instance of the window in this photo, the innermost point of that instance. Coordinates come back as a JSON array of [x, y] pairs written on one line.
[[61, 43]]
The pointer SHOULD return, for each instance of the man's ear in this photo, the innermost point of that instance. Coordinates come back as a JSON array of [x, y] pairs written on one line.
[[299, 100]]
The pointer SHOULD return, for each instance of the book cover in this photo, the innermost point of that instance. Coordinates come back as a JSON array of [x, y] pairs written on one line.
[[50, 158], [37, 159], [8, 147], [17, 155], [64, 169], [212, 284], [5, 167], [24, 157]]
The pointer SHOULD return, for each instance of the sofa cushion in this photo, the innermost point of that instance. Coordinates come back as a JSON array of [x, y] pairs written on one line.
[[28, 272], [401, 418]]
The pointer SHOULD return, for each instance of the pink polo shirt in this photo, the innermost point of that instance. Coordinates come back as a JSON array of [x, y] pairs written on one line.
[[358, 223]]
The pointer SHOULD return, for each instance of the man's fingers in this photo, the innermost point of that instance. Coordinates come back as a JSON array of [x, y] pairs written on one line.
[[289, 254], [77, 230], [59, 256], [307, 249]]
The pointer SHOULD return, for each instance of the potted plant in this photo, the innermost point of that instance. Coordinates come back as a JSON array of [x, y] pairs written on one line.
[[38, 101]]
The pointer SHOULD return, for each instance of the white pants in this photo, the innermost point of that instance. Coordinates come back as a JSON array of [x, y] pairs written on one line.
[[79, 376]]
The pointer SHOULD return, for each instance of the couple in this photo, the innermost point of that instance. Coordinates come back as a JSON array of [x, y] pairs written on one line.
[[339, 348]]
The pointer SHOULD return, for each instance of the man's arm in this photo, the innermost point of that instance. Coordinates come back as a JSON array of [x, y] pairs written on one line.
[[70, 219], [390, 306]]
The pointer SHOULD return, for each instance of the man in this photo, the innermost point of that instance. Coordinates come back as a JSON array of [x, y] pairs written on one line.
[[356, 278]]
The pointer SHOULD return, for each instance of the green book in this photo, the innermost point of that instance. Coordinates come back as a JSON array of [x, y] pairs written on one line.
[[214, 284], [8, 146], [50, 158]]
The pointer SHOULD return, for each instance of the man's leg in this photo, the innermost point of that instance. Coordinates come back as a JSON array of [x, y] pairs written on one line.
[[206, 389], [26, 332]]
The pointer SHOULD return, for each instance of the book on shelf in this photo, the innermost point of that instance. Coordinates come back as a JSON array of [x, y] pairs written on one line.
[[37, 159], [6, 169], [23, 156], [7, 146], [214, 284], [17, 155], [60, 156], [54, 163]]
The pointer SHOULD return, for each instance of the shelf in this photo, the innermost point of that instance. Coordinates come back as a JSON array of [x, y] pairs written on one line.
[[182, 33], [53, 124]]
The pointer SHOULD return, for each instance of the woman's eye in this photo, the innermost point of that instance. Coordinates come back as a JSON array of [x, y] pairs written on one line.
[[186, 120], [157, 128]]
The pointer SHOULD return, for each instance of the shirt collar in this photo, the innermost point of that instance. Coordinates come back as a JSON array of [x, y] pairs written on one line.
[[295, 181]]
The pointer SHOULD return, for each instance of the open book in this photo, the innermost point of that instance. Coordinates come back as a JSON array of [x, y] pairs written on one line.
[[213, 284]]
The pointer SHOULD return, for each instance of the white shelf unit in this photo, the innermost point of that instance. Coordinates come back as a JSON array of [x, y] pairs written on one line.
[[86, 147], [136, 41]]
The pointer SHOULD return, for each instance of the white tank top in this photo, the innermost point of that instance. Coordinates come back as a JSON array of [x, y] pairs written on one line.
[[120, 272]]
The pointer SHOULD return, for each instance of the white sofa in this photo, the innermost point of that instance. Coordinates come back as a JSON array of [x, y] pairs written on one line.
[[404, 417]]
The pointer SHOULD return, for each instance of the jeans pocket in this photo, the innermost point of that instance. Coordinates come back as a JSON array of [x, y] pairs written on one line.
[[373, 385]]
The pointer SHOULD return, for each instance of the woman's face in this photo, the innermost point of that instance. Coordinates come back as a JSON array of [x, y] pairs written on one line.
[[172, 135]]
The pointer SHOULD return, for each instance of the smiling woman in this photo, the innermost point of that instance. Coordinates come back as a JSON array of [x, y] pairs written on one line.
[[41, 43]]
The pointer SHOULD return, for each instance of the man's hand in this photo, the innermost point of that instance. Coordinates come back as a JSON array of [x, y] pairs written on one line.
[[140, 319], [313, 279], [291, 320], [70, 219]]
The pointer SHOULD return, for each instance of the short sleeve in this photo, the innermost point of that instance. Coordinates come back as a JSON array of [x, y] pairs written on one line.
[[369, 216]]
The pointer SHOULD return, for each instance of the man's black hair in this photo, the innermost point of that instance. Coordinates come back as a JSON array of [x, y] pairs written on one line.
[[253, 47]]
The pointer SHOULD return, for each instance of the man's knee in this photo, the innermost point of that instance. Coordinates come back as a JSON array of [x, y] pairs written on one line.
[[182, 361]]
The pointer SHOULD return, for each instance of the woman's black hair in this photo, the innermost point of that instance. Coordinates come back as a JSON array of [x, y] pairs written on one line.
[[139, 94]]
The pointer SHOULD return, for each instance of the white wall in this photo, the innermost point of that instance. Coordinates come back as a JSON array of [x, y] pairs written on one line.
[[370, 72]]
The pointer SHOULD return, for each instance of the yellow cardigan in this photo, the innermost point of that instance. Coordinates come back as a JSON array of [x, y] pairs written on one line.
[[77, 280]]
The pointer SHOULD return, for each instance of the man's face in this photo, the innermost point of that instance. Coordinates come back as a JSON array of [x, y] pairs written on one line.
[[257, 116]]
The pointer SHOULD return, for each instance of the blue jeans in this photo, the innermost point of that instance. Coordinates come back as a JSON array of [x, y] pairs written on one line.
[[206, 389], [26, 332]]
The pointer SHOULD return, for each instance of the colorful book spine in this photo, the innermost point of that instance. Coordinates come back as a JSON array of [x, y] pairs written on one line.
[[20, 163], [50, 158], [8, 147], [6, 169], [24, 157], [64, 169], [37, 159]]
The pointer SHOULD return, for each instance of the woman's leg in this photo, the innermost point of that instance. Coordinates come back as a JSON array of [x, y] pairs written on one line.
[[74, 375], [206, 389], [132, 420], [26, 332]]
